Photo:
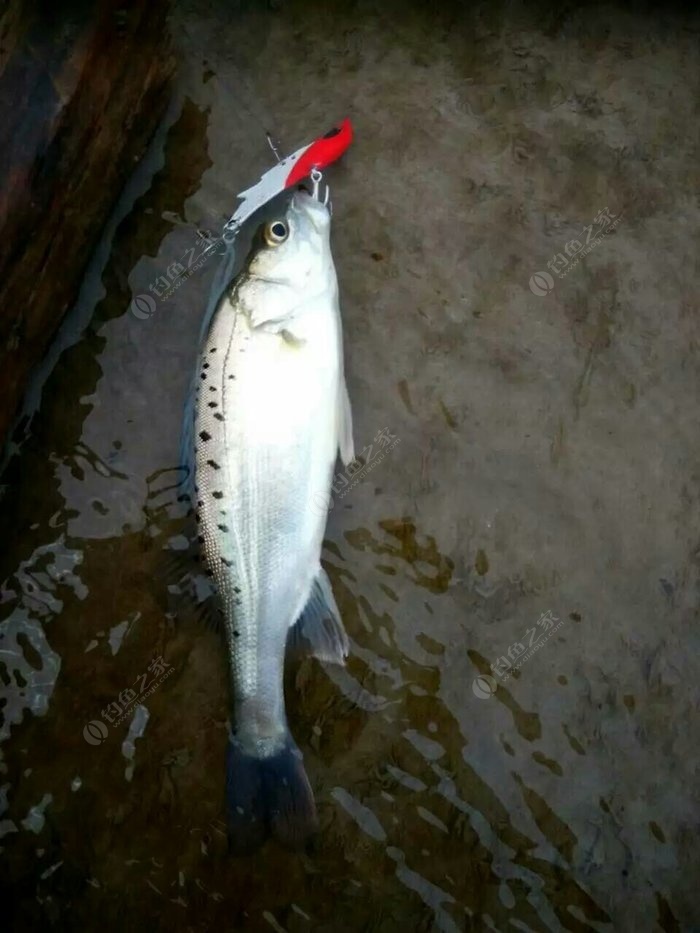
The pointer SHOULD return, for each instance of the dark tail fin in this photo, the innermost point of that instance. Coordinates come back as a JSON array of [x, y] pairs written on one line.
[[268, 797]]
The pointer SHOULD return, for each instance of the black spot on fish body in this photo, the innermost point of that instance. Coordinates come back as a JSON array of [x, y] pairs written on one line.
[[226, 562], [205, 436], [213, 464], [236, 589], [212, 388], [218, 495], [213, 350], [218, 416], [236, 633], [205, 366], [200, 539], [199, 503], [213, 405], [202, 375], [223, 528], [208, 573], [232, 377]]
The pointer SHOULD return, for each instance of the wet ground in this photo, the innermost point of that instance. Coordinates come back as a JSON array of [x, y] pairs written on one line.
[[537, 505]]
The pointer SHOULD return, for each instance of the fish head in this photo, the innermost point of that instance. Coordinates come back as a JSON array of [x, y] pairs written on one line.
[[294, 249]]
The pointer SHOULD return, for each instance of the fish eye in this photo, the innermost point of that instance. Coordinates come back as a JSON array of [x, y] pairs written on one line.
[[276, 232]]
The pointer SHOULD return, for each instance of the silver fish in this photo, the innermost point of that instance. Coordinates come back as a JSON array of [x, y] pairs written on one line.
[[271, 414]]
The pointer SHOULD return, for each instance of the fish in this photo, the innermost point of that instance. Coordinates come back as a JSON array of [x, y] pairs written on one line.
[[271, 416]]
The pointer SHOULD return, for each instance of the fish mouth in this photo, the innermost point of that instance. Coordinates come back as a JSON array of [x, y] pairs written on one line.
[[306, 204]]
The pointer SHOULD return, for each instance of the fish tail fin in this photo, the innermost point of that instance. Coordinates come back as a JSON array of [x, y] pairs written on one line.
[[268, 796]]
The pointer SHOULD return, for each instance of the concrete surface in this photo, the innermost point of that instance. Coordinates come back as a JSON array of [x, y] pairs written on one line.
[[547, 463]]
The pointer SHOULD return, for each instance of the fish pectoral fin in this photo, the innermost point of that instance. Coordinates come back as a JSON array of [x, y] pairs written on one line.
[[346, 445], [291, 339], [319, 629]]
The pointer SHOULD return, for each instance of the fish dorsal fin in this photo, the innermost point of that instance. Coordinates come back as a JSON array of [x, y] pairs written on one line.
[[319, 629], [191, 593], [346, 445]]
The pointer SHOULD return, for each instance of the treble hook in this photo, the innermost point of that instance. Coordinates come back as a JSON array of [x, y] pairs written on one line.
[[316, 178]]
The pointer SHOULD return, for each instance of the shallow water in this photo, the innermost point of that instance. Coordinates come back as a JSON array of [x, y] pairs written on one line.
[[541, 496]]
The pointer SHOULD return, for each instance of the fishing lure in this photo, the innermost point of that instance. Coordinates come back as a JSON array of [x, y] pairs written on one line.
[[290, 171]]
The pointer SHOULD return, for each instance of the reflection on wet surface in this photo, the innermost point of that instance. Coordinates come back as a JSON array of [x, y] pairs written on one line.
[[449, 798]]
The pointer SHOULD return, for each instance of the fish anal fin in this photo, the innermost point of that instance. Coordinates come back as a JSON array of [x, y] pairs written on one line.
[[319, 629]]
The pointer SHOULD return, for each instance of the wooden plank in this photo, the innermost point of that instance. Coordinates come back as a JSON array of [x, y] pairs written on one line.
[[83, 86]]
